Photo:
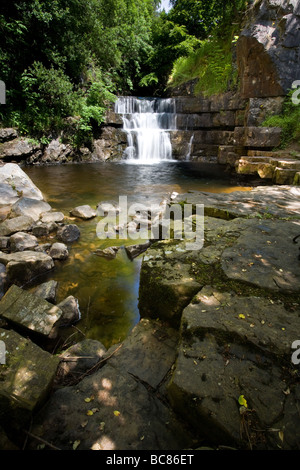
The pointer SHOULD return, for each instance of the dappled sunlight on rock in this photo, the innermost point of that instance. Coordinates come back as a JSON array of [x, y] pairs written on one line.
[[105, 443]]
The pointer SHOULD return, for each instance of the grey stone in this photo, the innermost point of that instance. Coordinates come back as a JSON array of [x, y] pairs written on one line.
[[47, 291], [24, 266], [68, 233], [29, 311], [109, 252], [231, 346], [17, 224], [71, 313], [83, 212], [264, 256], [79, 359], [7, 134], [268, 50], [21, 241], [18, 149], [59, 251], [49, 217], [135, 250], [2, 279], [26, 380], [11, 174], [114, 409], [30, 207]]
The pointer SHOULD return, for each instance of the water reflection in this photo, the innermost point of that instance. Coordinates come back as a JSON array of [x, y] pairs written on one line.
[[107, 290]]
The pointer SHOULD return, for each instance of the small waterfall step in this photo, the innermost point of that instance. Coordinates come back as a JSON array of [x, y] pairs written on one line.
[[147, 122]]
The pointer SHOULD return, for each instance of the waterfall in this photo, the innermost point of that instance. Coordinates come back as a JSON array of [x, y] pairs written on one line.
[[147, 122], [190, 148]]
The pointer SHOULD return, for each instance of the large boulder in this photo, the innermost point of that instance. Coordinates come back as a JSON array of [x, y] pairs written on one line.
[[12, 176]]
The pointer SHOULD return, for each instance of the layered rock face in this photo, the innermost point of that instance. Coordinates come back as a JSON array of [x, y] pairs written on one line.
[[268, 49]]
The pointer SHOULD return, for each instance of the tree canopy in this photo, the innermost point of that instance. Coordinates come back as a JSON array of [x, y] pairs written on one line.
[[71, 57]]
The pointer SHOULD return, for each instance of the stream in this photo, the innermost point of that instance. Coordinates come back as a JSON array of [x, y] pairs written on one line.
[[107, 290]]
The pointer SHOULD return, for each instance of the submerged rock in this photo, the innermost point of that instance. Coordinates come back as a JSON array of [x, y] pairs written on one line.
[[109, 252], [71, 313], [47, 291], [83, 212]]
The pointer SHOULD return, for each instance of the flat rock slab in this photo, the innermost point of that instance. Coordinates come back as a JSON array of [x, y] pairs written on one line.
[[25, 379], [148, 353], [232, 346], [49, 217], [264, 255], [28, 311], [117, 407], [278, 201], [22, 267]]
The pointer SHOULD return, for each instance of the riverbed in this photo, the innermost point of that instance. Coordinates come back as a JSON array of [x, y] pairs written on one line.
[[107, 289]]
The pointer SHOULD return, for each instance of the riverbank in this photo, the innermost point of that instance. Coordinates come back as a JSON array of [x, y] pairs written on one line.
[[210, 363]]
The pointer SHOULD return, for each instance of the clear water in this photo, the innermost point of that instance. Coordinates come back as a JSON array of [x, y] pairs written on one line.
[[107, 290]]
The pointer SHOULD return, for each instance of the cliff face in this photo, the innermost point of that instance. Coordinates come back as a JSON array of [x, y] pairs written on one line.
[[268, 50]]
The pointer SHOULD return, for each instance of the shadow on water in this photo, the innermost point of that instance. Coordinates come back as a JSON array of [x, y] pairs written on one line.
[[107, 290]]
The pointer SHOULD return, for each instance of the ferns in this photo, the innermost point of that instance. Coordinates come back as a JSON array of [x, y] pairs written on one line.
[[211, 64]]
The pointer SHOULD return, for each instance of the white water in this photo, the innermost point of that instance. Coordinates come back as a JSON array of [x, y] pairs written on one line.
[[148, 123]]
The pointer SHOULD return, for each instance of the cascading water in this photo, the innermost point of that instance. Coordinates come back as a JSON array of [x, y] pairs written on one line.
[[147, 122]]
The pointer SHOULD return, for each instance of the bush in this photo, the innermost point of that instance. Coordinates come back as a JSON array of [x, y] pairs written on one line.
[[288, 120], [49, 97]]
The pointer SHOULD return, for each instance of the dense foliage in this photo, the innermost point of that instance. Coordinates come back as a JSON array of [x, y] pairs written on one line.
[[61, 58]]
